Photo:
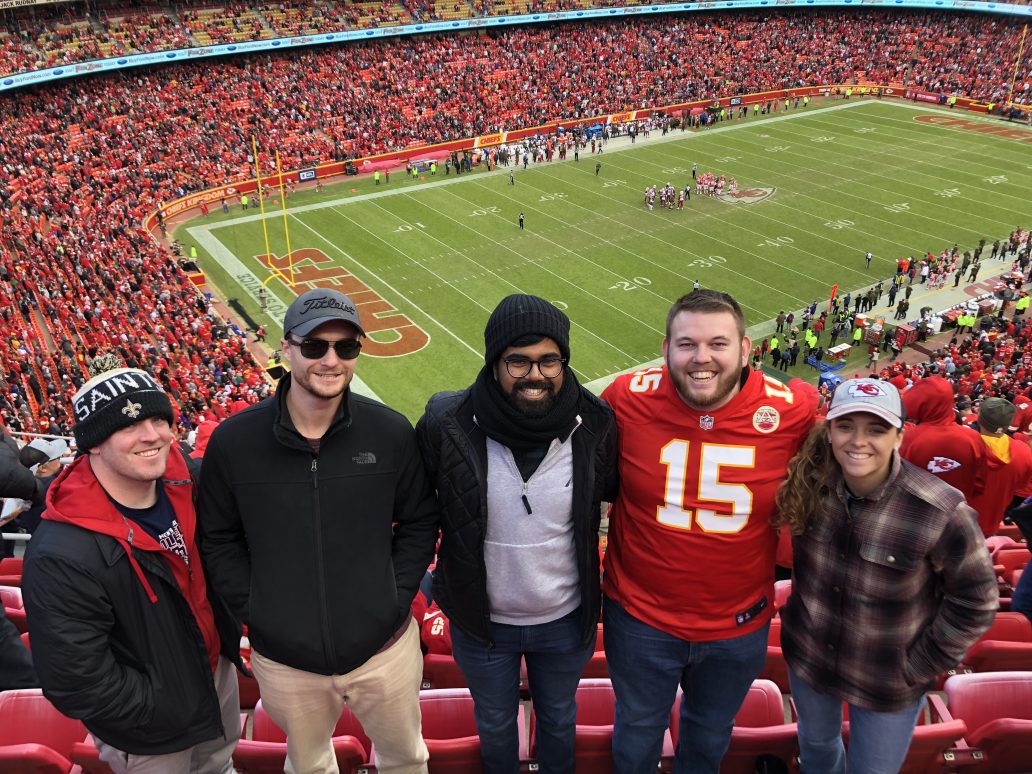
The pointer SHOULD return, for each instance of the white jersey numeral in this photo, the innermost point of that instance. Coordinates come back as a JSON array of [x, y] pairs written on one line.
[[713, 458]]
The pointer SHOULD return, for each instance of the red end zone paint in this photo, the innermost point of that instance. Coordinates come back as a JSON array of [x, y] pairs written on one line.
[[377, 313], [956, 122]]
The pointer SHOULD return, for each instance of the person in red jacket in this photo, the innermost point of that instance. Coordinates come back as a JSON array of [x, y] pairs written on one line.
[[937, 443], [1009, 464], [124, 634]]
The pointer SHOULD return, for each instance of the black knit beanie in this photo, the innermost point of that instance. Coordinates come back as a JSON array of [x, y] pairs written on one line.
[[115, 399], [518, 315]]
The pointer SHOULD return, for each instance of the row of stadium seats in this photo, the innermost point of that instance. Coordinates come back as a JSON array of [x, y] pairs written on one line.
[[984, 724]]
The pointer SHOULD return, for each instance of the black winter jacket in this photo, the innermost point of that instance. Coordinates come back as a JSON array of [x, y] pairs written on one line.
[[15, 480], [136, 672], [319, 554], [455, 452]]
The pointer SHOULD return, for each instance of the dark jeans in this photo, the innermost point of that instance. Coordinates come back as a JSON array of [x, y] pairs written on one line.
[[646, 666], [555, 660]]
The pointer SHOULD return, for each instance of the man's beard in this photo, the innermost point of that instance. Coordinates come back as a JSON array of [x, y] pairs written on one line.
[[537, 407]]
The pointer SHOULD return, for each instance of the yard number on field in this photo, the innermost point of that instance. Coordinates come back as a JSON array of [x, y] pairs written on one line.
[[485, 211], [838, 224], [634, 284], [408, 227], [705, 263], [549, 197], [777, 242]]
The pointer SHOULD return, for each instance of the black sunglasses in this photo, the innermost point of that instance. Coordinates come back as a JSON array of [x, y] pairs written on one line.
[[316, 349]]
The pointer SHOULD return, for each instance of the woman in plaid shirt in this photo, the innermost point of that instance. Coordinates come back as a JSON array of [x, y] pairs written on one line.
[[892, 583]]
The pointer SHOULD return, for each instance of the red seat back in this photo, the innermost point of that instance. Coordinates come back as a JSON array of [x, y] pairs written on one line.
[[26, 716], [11, 597], [450, 731], [440, 671], [997, 708]]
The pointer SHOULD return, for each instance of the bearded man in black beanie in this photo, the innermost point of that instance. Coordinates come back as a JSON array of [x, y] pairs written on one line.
[[521, 460]]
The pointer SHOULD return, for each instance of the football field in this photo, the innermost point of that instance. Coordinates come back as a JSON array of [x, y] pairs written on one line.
[[428, 259]]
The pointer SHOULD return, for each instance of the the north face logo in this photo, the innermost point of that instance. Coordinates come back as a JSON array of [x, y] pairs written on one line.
[[747, 195], [942, 464], [364, 458]]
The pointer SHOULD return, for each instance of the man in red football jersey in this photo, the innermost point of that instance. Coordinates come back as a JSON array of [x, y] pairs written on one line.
[[689, 572]]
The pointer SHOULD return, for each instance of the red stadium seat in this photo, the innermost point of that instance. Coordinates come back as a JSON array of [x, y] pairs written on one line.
[[597, 666], [86, 756], [34, 737], [935, 744], [996, 543], [249, 691], [776, 668], [997, 708], [1006, 646], [10, 571], [266, 751], [450, 731], [782, 591], [11, 597], [1007, 561], [1012, 531], [760, 730], [596, 710], [441, 671]]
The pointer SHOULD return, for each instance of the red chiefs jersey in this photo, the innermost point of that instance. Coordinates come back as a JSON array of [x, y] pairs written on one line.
[[691, 549], [435, 631]]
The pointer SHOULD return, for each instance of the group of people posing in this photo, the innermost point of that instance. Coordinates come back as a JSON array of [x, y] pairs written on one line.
[[315, 514]]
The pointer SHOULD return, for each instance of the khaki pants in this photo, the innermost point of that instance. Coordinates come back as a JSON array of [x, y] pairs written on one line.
[[212, 757], [383, 693]]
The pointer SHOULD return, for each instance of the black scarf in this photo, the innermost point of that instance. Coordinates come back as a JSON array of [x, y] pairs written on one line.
[[507, 425]]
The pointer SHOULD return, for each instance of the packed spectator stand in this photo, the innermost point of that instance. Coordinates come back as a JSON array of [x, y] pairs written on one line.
[[83, 162], [86, 160]]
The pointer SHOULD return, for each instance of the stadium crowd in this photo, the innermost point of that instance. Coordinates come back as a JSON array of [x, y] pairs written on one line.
[[86, 160]]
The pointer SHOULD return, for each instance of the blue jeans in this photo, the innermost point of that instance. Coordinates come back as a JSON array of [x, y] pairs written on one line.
[[1021, 599], [878, 741], [646, 666], [555, 660]]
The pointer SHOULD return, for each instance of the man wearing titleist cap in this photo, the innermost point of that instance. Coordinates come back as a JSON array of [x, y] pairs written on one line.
[[318, 524], [1009, 464], [891, 583], [126, 635], [521, 460]]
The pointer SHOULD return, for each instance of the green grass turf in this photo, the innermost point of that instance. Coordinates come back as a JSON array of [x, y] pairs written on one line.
[[848, 178]]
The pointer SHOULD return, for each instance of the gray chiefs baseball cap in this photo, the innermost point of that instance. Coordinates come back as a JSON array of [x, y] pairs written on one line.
[[318, 306]]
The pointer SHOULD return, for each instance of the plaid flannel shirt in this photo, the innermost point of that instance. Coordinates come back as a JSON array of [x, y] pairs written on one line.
[[889, 590]]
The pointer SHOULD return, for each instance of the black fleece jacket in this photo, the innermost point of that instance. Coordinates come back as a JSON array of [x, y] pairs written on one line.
[[319, 554]]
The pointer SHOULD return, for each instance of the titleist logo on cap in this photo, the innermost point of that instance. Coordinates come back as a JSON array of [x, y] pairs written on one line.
[[326, 302], [112, 388]]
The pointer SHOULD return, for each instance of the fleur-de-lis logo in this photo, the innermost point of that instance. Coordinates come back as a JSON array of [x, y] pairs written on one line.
[[132, 410]]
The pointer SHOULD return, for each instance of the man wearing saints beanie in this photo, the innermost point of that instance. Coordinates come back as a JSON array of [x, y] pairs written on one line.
[[114, 399], [521, 460], [124, 634]]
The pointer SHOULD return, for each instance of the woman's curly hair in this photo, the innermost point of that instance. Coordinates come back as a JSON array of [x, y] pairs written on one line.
[[801, 494]]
